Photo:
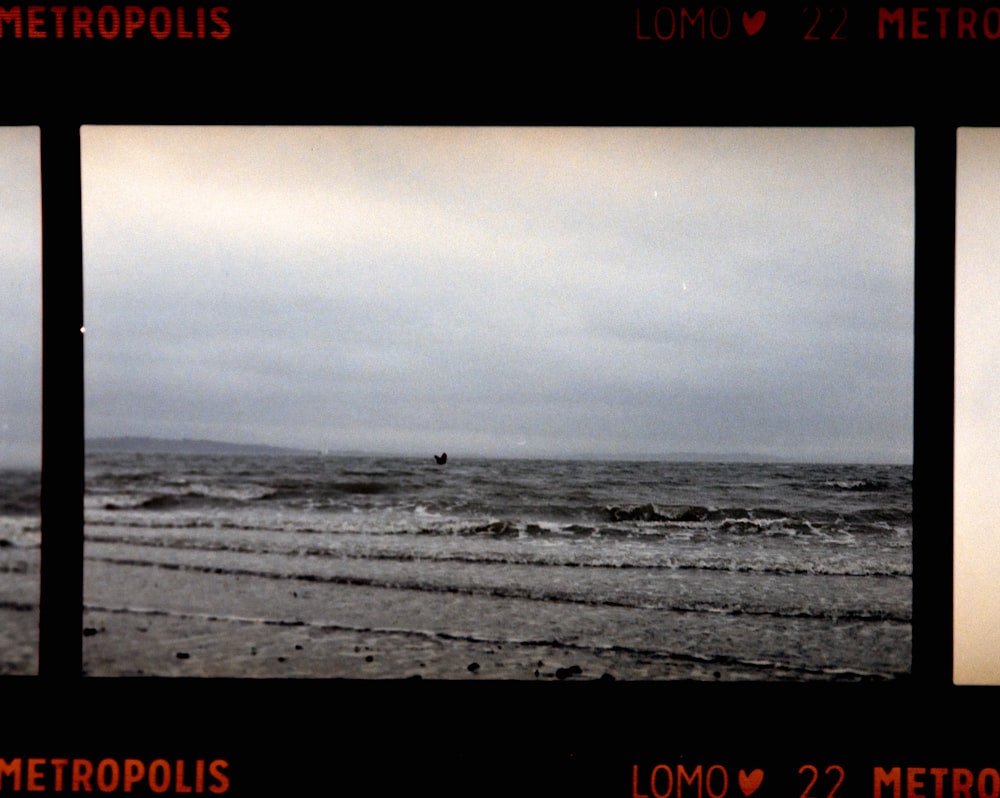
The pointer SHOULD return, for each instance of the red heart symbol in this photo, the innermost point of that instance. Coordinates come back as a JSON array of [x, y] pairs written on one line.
[[749, 782], [752, 24]]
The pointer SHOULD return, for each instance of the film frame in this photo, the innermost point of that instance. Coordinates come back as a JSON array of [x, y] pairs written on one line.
[[697, 740]]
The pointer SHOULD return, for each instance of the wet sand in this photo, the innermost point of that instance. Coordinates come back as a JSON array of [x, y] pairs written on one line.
[[142, 621], [19, 586], [129, 644], [18, 641], [177, 622]]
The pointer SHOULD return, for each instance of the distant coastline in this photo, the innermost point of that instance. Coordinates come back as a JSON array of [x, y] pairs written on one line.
[[133, 444], [149, 445], [142, 445]]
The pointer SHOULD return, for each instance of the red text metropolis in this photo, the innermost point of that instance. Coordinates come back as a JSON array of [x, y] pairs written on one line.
[[114, 22]]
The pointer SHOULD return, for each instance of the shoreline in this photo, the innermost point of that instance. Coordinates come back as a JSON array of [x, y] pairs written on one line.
[[170, 620], [127, 643]]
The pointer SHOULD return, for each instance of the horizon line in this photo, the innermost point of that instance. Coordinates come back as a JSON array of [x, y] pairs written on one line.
[[679, 456]]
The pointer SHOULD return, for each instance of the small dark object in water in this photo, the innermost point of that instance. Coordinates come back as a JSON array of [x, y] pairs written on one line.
[[90, 631], [441, 459], [473, 667], [183, 655], [565, 673]]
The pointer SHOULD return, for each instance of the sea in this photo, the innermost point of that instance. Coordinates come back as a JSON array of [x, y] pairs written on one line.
[[547, 568]]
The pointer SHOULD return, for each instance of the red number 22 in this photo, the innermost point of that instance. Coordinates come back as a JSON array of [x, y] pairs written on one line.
[[815, 777]]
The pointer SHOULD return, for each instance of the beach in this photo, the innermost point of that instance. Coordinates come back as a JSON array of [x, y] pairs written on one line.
[[20, 538], [387, 568], [394, 568], [183, 623]]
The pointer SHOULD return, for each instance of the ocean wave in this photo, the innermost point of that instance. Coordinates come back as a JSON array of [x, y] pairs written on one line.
[[651, 512], [193, 512], [747, 520], [859, 485], [538, 593], [651, 560], [20, 492]]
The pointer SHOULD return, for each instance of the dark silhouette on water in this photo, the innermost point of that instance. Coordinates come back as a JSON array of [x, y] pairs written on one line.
[[441, 459]]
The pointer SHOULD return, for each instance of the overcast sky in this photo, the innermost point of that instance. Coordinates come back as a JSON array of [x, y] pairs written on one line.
[[977, 413], [20, 297], [512, 292]]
